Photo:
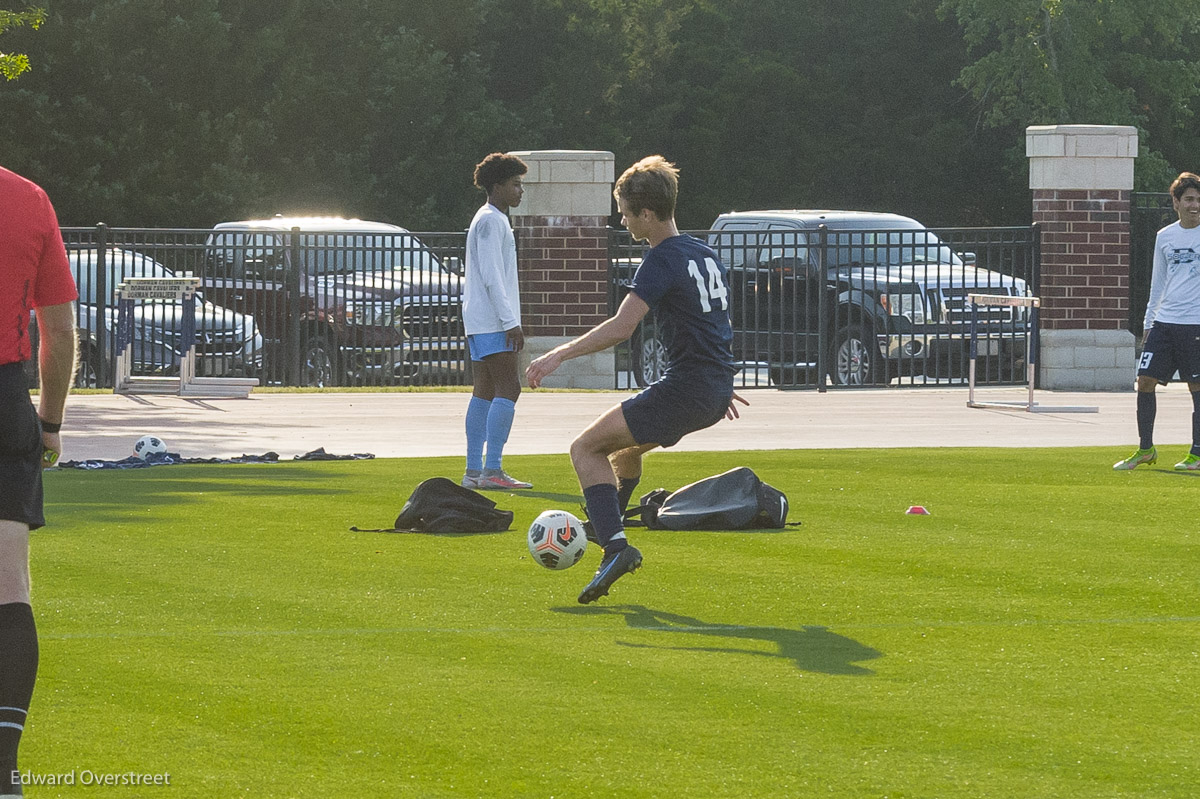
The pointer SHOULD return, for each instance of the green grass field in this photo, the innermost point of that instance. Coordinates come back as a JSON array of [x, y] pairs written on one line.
[[1038, 635]]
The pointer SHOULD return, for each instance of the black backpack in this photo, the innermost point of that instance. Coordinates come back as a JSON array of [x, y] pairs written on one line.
[[734, 500], [439, 505]]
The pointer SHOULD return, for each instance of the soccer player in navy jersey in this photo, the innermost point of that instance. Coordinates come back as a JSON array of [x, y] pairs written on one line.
[[1172, 324], [685, 283]]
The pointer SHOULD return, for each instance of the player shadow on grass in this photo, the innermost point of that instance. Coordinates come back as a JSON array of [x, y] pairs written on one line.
[[811, 648]]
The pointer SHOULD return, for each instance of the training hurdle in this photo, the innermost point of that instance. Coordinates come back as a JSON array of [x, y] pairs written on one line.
[[1029, 405], [186, 384]]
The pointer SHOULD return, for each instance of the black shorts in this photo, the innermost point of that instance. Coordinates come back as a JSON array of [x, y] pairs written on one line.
[[20, 450], [1170, 348], [667, 411]]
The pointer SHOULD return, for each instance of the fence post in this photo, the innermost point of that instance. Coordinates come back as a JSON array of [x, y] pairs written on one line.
[[1035, 286], [293, 300], [822, 308], [108, 365]]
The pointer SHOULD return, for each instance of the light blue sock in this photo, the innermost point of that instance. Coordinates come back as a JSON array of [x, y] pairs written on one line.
[[477, 430], [499, 423]]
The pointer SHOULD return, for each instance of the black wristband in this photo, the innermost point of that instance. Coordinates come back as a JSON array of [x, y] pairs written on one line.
[[50, 427]]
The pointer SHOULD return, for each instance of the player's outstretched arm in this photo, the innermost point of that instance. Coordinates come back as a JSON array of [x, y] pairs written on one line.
[[732, 411], [604, 335]]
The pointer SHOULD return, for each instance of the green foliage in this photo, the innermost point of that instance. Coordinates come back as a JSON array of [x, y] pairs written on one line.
[[1089, 62], [1034, 636], [13, 64], [172, 113]]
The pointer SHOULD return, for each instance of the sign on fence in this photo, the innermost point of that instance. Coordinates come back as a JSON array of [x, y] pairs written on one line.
[[176, 289]]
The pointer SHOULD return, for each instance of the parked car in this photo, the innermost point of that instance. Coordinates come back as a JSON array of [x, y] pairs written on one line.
[[228, 343], [887, 296], [359, 301]]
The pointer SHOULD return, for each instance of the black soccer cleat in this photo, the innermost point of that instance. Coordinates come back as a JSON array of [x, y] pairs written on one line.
[[612, 568]]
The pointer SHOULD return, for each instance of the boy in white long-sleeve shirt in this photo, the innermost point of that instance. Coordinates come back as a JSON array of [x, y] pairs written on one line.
[[1172, 324], [492, 318]]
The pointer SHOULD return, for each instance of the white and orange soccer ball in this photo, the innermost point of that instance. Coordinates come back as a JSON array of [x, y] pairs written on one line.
[[557, 539]]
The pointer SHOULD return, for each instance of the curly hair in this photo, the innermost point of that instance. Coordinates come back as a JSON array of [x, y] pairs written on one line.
[[497, 168], [651, 183], [1185, 181]]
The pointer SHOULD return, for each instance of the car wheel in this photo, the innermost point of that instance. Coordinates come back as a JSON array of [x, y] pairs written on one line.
[[649, 356], [854, 360], [317, 364]]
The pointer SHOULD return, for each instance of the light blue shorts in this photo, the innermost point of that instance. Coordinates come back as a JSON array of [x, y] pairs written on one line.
[[482, 345]]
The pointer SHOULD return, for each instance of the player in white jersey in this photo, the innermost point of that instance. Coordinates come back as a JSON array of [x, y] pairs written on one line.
[[1172, 325], [492, 319]]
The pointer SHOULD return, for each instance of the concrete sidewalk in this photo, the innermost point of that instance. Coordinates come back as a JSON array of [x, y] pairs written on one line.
[[393, 425]]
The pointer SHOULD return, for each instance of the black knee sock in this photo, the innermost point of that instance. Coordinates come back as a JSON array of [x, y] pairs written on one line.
[[18, 671], [1196, 422], [625, 489], [1147, 407], [604, 511]]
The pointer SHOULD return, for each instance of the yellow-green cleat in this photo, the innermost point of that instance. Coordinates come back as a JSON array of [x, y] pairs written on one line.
[[1147, 456], [1189, 464]]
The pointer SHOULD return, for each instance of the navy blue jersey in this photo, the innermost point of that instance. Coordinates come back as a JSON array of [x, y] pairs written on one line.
[[685, 284]]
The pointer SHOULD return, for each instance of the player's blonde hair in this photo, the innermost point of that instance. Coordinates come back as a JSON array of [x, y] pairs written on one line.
[[651, 183]]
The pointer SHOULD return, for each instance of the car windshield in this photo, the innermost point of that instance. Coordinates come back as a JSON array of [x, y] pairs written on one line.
[[889, 248], [336, 253]]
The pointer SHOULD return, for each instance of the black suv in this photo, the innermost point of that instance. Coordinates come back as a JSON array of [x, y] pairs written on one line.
[[883, 294], [341, 301]]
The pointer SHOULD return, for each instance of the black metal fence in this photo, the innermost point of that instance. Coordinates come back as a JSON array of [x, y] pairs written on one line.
[[319, 307], [1149, 213], [861, 307]]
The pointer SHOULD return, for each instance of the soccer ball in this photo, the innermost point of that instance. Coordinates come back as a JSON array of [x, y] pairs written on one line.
[[557, 540], [146, 446]]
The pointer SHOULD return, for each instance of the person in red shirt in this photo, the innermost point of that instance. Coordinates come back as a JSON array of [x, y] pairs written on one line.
[[34, 276]]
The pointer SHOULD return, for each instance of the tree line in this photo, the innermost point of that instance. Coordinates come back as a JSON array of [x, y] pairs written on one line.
[[183, 113]]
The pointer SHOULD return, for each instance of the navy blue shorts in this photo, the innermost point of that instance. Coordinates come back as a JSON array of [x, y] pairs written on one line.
[[20, 450], [666, 412], [1170, 348]]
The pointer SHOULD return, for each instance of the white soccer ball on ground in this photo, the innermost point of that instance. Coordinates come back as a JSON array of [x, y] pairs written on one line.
[[557, 539], [148, 445]]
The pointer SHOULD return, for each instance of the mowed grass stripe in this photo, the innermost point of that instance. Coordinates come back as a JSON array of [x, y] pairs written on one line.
[[1032, 637]]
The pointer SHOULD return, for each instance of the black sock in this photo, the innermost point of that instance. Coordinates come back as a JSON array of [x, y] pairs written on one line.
[[1147, 407], [18, 671], [625, 488], [1196, 422], [604, 511]]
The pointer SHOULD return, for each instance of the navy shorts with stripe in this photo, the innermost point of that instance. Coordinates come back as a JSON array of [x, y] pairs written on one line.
[[1170, 348], [668, 410], [20, 450]]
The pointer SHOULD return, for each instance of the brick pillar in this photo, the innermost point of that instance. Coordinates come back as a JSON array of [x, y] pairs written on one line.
[[562, 234], [1081, 177]]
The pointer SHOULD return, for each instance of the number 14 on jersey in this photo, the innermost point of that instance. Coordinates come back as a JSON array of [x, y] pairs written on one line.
[[711, 286]]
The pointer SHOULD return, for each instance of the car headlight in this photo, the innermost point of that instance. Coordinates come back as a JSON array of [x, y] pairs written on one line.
[[369, 314], [910, 305]]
